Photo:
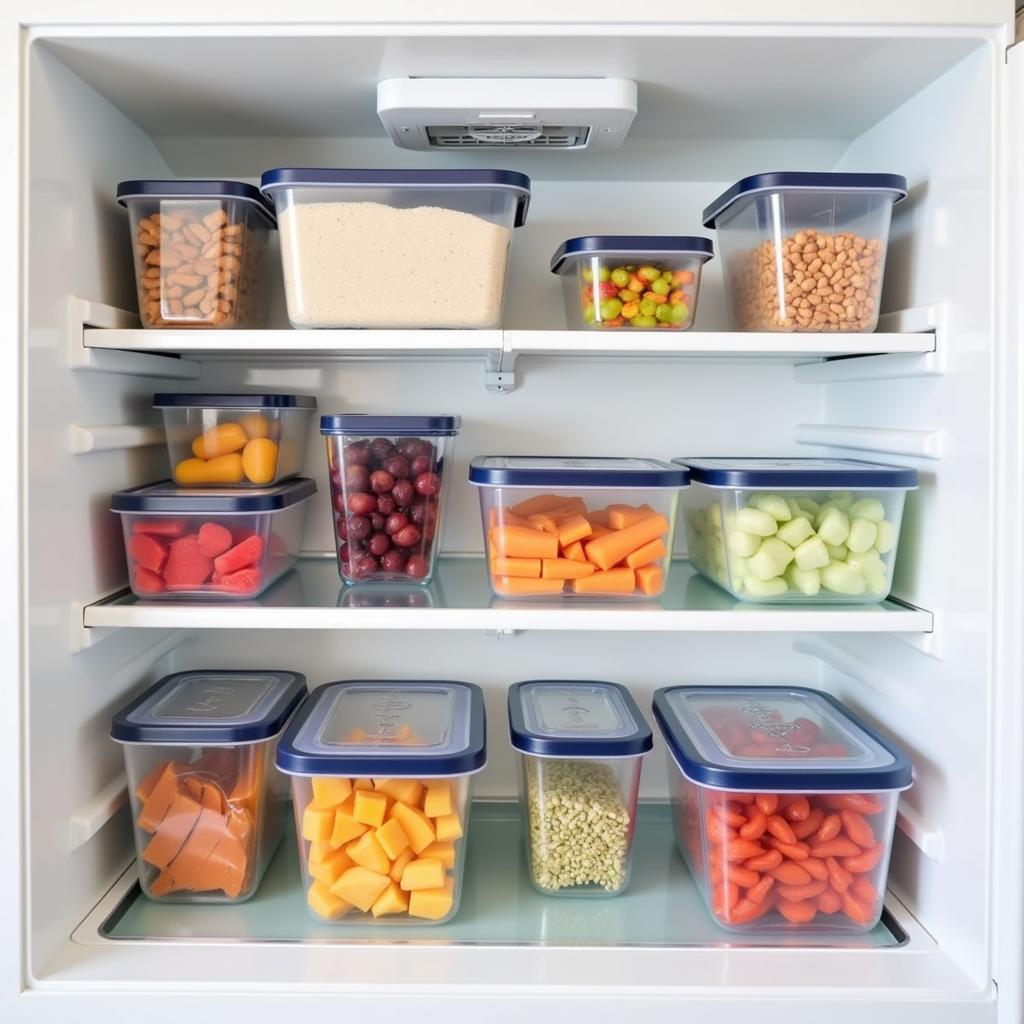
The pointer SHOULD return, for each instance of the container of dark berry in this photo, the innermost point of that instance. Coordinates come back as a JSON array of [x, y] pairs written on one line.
[[387, 478]]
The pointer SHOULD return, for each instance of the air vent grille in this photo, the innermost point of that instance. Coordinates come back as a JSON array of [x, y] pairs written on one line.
[[549, 136]]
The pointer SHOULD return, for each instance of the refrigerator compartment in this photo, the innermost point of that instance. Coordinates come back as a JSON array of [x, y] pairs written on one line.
[[208, 809], [200, 252], [396, 248]]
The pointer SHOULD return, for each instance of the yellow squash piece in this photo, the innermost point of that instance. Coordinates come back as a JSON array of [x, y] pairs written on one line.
[[361, 783], [438, 800], [367, 852], [324, 903], [224, 469], [405, 857], [425, 873], [318, 851], [447, 827], [370, 807], [416, 826], [255, 425], [317, 823], [360, 886], [259, 460], [331, 868], [444, 852], [409, 791], [433, 904], [392, 838], [329, 790], [222, 439], [391, 901]]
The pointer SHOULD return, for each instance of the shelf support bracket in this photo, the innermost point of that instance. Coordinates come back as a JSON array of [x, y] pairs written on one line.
[[500, 371]]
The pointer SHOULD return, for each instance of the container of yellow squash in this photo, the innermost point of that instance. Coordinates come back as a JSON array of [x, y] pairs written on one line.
[[381, 775], [235, 440]]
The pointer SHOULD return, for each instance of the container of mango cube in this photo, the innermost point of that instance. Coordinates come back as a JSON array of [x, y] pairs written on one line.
[[381, 775], [812, 531]]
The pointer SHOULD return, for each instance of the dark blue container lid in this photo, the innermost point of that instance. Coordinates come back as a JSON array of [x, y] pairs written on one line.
[[318, 177], [797, 473], [805, 181], [163, 400], [211, 707], [631, 245], [576, 718], [148, 188], [557, 471], [387, 728], [367, 424], [167, 498], [788, 728]]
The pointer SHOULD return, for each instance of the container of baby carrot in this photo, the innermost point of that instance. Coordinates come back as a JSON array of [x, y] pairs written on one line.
[[784, 805], [557, 527]]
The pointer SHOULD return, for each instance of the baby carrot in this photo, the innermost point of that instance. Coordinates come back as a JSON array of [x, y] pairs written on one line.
[[858, 829], [797, 912], [830, 828], [764, 862], [840, 847], [803, 829], [866, 861], [791, 874], [780, 828]]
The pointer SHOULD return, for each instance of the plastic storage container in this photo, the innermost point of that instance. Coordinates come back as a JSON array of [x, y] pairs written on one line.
[[633, 282], [235, 440], [784, 804], [390, 248], [805, 251], [549, 524], [582, 746], [200, 252], [796, 530], [387, 489], [210, 543], [381, 775], [207, 806]]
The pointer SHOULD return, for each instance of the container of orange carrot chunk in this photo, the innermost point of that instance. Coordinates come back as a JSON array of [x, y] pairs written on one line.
[[560, 527], [784, 805]]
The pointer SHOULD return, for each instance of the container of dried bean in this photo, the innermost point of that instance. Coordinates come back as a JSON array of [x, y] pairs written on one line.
[[582, 745], [200, 252], [805, 251], [784, 805]]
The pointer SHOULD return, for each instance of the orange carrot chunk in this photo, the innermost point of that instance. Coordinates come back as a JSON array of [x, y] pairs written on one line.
[[605, 551], [520, 587], [575, 552], [565, 569], [614, 581], [520, 542], [527, 567], [572, 529], [541, 503], [651, 552], [650, 579], [620, 518]]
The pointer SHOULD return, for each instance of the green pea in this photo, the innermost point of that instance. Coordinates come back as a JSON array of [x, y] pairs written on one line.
[[643, 321], [647, 307], [664, 313], [620, 277], [610, 308], [661, 286]]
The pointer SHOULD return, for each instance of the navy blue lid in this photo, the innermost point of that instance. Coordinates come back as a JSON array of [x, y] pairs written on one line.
[[149, 188], [794, 740], [387, 728], [632, 245], [808, 181], [164, 400], [576, 718], [366, 424], [167, 498], [797, 473], [211, 707], [313, 177], [558, 471]]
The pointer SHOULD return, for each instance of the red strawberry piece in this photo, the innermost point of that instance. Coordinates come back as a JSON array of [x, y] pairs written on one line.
[[145, 581], [187, 566], [147, 551], [241, 556], [214, 539], [159, 527], [245, 581]]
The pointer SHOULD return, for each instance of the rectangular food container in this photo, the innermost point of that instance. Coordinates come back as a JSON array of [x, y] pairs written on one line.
[[577, 527], [805, 251], [784, 804], [582, 746], [235, 440], [388, 491], [632, 282], [209, 543], [207, 806], [814, 531], [200, 252], [396, 248], [381, 775]]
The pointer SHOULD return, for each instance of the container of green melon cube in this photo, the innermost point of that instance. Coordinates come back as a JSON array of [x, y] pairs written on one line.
[[807, 531]]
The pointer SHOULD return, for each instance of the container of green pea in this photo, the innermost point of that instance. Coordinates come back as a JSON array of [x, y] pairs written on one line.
[[582, 745]]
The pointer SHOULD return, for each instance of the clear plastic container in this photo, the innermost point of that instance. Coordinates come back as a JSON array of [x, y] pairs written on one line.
[[813, 531], [381, 776], [388, 490], [784, 804], [200, 252], [805, 251], [396, 248], [226, 544], [548, 524], [235, 440], [582, 746], [207, 806], [631, 282]]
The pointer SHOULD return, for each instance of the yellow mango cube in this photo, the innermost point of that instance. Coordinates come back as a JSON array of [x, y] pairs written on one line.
[[433, 904], [367, 852], [331, 868], [392, 838], [317, 823], [391, 901], [405, 857], [346, 828], [415, 824], [409, 791], [438, 800], [324, 903], [362, 784], [444, 852], [329, 791], [370, 807], [317, 852], [360, 886], [423, 874], [448, 827]]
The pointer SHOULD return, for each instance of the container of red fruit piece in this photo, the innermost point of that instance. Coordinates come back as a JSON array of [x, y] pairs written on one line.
[[210, 543], [387, 490], [784, 804]]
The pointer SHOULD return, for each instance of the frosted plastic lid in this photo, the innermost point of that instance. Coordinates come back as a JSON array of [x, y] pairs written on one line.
[[211, 707], [364, 424], [151, 188], [162, 400], [166, 497], [387, 728], [576, 718], [558, 471], [775, 738], [797, 473], [631, 245]]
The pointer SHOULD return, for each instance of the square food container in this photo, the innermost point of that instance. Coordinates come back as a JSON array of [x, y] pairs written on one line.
[[805, 251], [381, 774], [200, 252], [230, 544], [582, 746], [577, 527], [388, 491], [815, 531], [207, 806], [235, 440], [396, 248], [784, 804], [631, 282]]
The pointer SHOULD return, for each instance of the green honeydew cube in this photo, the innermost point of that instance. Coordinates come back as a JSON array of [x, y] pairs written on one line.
[[878, 583], [771, 559], [764, 588], [812, 554], [796, 531], [745, 544], [808, 505], [807, 581], [867, 508], [841, 578], [834, 527], [862, 536], [841, 499], [754, 520], [867, 563], [886, 536], [838, 552], [774, 506]]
